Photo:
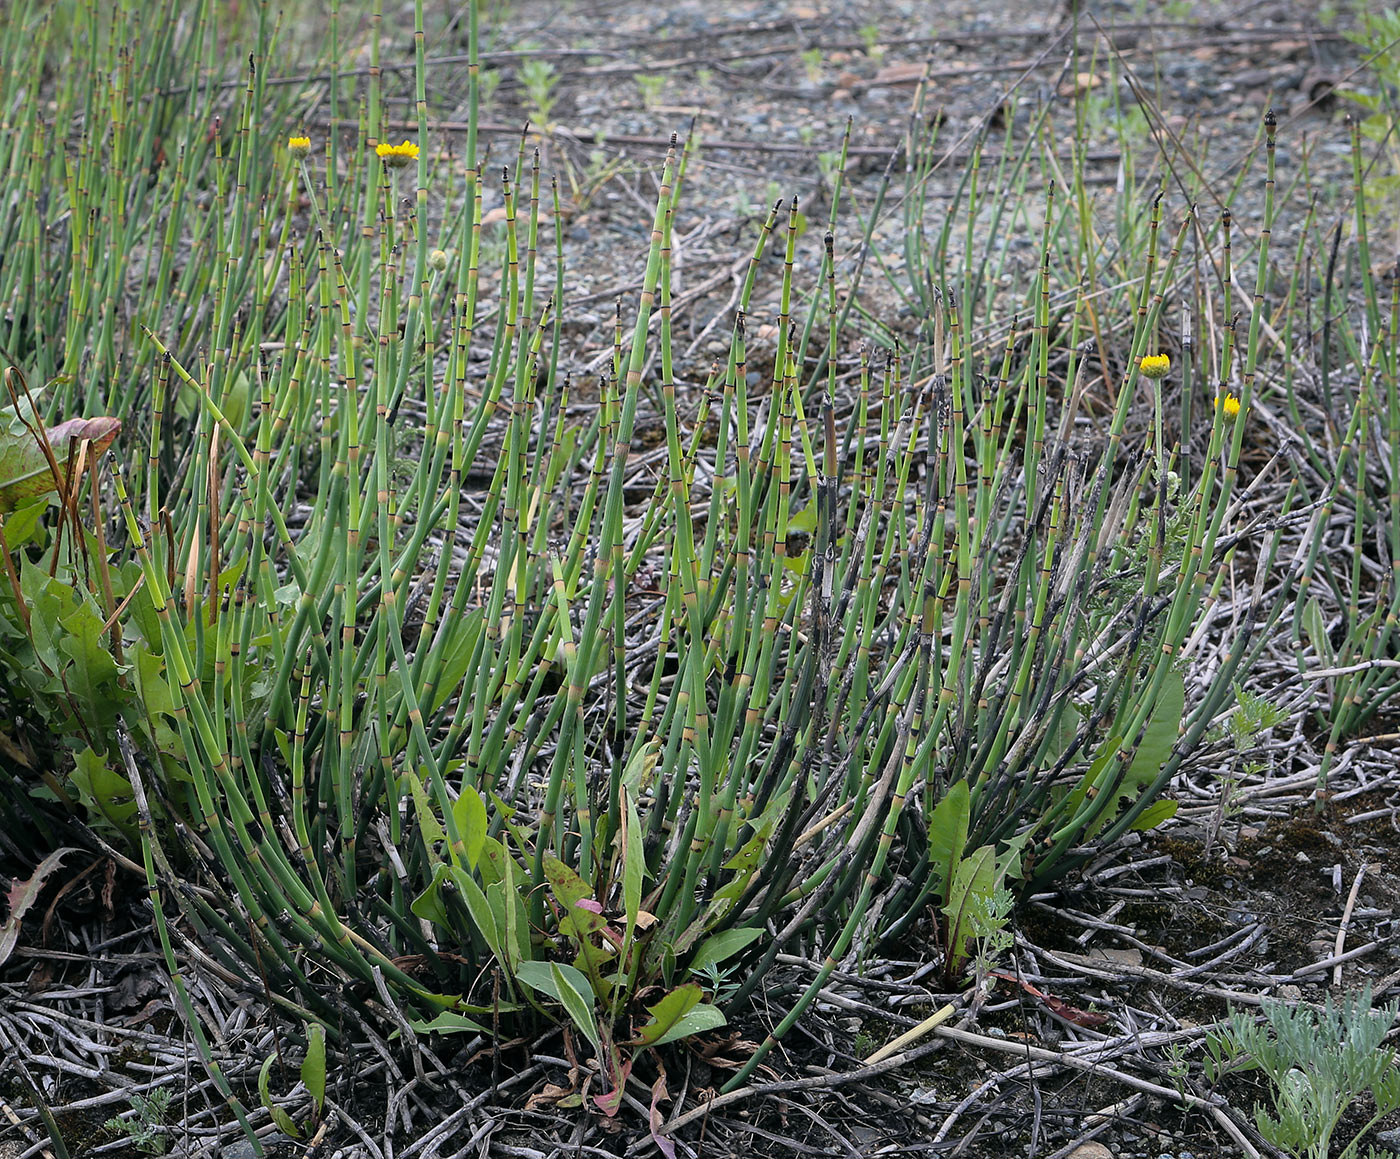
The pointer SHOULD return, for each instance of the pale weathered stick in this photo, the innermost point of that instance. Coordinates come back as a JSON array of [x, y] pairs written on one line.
[[912, 1035], [1346, 922]]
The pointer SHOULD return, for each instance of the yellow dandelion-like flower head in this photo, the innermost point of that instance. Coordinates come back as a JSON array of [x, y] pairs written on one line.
[[298, 147], [397, 156], [1155, 365], [1229, 404]]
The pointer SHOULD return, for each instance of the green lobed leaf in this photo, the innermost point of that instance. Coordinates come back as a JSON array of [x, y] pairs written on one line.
[[975, 879], [103, 791]]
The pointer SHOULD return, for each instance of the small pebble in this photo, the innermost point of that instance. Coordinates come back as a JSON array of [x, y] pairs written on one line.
[[272, 1145]]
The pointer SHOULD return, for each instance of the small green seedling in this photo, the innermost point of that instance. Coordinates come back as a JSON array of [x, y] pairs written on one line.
[[146, 1128]]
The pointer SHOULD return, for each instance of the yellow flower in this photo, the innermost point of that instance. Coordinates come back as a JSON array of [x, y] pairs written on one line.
[[397, 156], [299, 146], [1229, 404], [1155, 365]]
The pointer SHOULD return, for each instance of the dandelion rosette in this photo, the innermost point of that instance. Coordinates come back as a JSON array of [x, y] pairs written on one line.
[[1155, 365], [298, 147], [397, 156]]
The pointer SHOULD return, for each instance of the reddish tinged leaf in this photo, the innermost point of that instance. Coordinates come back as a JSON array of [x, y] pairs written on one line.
[[611, 1102], [25, 471], [1088, 1019], [1085, 1018], [102, 431], [24, 894], [659, 1095]]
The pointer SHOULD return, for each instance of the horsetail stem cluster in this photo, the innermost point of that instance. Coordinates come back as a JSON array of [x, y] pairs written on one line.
[[392, 647]]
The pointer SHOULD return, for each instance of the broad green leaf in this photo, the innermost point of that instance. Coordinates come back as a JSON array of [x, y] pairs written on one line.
[[670, 1010], [633, 863], [470, 814], [313, 1066], [458, 651], [584, 917], [483, 913], [804, 521], [491, 864], [570, 988], [1062, 735], [678, 1015], [234, 402], [746, 859], [641, 767], [488, 914], [1365, 100], [518, 832], [20, 413], [722, 946], [1155, 814], [1316, 629], [283, 740], [577, 998], [21, 526], [512, 923], [231, 574], [947, 835], [429, 905], [1158, 741], [1160, 737], [428, 823], [448, 1022], [566, 885], [279, 1116], [1069, 809], [702, 1018]]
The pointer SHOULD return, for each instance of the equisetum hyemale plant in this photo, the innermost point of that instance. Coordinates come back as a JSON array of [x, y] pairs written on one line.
[[445, 703]]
